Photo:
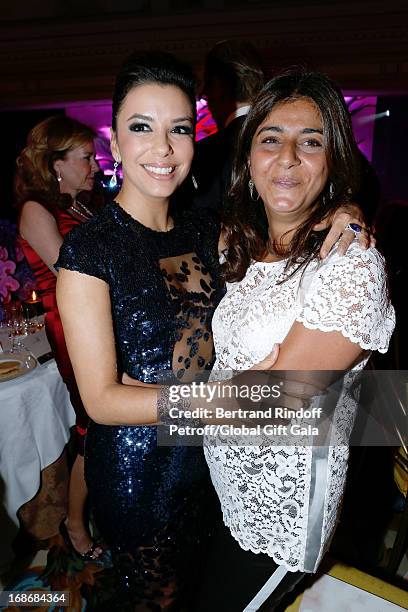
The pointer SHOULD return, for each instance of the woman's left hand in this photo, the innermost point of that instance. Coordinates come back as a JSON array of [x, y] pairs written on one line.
[[349, 213]]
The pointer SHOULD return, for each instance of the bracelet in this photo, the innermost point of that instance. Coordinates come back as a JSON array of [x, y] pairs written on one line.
[[181, 406]]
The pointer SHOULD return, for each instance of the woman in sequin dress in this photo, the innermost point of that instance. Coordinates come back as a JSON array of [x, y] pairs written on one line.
[[57, 164], [145, 286], [145, 290]]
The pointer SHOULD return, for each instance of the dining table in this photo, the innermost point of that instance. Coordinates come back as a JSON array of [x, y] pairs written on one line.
[[36, 417]]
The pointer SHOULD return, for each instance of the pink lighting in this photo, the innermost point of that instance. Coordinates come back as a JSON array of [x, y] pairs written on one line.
[[105, 131], [363, 109], [205, 123]]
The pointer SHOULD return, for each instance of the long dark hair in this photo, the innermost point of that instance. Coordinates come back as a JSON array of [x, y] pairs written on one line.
[[152, 67], [245, 223]]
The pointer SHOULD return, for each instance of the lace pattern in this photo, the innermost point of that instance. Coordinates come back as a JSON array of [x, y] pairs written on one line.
[[349, 295], [265, 492]]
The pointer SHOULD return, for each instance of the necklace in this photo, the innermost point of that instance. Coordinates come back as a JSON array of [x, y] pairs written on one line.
[[81, 210]]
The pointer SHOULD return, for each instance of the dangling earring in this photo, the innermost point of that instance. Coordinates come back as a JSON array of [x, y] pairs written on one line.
[[59, 177], [252, 190], [326, 198], [114, 181], [194, 180]]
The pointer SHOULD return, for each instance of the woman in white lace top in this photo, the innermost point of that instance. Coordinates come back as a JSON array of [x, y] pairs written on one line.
[[297, 161]]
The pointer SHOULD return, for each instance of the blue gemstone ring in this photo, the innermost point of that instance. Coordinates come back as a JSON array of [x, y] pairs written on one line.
[[354, 227]]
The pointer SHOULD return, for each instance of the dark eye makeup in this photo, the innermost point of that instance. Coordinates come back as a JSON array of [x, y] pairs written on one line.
[[139, 127], [177, 129], [183, 129]]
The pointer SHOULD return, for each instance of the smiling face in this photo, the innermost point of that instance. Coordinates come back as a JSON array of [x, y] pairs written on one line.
[[77, 169], [287, 161], [154, 140]]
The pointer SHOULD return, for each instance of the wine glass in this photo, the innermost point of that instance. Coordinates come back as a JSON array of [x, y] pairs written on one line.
[[39, 322], [17, 326]]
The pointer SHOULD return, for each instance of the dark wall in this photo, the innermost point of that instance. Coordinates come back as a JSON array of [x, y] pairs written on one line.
[[390, 150]]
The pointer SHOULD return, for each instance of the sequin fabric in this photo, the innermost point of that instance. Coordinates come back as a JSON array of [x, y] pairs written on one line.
[[153, 505]]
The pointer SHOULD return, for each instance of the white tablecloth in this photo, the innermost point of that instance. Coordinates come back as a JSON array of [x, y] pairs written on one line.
[[35, 419]]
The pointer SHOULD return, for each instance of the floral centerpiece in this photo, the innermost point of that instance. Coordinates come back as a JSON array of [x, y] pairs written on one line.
[[16, 278]]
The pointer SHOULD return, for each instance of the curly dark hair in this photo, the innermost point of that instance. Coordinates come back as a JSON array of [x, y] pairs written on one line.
[[245, 223], [48, 141]]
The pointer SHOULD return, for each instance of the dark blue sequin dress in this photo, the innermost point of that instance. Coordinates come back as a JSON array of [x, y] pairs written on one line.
[[151, 504]]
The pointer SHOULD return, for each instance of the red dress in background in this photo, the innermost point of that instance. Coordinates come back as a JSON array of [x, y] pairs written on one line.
[[46, 283]]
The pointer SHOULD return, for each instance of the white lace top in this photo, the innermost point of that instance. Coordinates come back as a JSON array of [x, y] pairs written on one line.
[[284, 500]]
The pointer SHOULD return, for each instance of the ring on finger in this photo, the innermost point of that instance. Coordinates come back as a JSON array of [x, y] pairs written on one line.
[[354, 227]]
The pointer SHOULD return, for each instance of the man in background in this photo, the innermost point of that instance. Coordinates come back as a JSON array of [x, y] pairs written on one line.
[[233, 75]]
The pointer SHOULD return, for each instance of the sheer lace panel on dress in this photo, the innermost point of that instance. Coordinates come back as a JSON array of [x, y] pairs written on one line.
[[191, 289]]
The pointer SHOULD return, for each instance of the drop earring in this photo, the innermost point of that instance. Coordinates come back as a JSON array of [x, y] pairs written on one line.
[[252, 190], [59, 177], [114, 180], [194, 180]]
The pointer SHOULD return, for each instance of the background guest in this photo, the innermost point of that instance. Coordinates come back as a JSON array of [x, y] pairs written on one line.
[[233, 75], [57, 164]]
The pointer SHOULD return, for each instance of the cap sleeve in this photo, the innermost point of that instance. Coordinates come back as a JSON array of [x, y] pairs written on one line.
[[81, 252], [349, 294]]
